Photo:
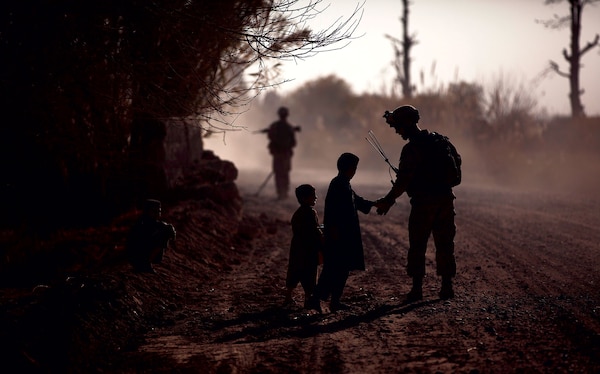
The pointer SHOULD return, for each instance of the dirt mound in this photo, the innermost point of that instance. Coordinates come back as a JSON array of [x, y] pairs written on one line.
[[71, 301]]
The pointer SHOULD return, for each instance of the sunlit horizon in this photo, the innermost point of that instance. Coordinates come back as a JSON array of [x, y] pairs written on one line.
[[477, 42]]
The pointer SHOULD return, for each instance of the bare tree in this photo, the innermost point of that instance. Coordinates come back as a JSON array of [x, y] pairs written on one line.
[[573, 56], [402, 58]]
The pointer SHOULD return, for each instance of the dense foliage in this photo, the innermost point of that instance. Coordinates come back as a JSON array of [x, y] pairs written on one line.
[[88, 87]]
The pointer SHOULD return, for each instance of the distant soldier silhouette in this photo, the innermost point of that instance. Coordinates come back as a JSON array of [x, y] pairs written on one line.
[[282, 140], [429, 168]]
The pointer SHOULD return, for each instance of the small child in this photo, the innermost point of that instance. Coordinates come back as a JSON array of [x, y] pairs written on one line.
[[149, 238], [307, 243]]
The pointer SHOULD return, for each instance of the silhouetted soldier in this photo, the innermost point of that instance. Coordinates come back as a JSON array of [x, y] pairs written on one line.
[[429, 168], [282, 140]]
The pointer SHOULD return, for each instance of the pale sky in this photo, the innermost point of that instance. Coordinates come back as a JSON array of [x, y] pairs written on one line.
[[470, 40]]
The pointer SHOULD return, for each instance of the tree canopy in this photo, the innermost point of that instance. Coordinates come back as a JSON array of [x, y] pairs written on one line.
[[76, 76]]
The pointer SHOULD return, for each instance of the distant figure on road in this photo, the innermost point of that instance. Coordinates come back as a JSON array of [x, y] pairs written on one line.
[[343, 250], [282, 140], [148, 238], [429, 168], [306, 246]]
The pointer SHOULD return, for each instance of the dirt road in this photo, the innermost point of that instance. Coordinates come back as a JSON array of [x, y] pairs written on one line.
[[528, 297]]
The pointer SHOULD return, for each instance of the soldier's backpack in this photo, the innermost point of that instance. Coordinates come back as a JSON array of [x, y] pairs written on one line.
[[444, 162]]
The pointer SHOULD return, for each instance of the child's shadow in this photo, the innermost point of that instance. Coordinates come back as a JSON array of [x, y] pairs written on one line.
[[276, 322]]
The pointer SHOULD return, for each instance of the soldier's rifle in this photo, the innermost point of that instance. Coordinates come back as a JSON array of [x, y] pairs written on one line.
[[263, 184], [266, 130]]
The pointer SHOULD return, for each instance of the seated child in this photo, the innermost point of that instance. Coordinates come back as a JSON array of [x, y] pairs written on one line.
[[148, 238]]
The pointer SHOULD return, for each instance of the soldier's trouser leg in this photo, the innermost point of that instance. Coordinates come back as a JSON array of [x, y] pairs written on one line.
[[419, 228], [281, 167], [444, 231]]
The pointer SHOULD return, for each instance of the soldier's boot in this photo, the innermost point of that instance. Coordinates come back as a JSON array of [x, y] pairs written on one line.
[[447, 291], [416, 292]]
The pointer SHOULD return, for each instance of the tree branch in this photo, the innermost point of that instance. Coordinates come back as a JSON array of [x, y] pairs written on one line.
[[554, 67], [590, 45]]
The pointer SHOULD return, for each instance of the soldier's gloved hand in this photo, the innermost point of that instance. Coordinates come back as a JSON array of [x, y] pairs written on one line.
[[383, 206]]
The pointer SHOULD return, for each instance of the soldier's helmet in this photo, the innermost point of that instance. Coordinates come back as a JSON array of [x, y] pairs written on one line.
[[283, 111], [402, 116]]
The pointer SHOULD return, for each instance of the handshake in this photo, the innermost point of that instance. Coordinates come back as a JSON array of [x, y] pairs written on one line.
[[383, 205]]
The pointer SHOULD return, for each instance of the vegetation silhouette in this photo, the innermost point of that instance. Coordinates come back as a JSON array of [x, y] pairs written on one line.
[[94, 92]]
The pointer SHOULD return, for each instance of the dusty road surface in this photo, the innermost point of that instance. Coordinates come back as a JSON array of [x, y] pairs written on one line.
[[527, 297]]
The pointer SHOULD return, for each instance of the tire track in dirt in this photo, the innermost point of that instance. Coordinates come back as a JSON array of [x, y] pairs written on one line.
[[537, 246], [553, 280]]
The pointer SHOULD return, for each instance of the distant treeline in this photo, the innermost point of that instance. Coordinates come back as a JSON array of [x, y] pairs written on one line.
[[503, 134]]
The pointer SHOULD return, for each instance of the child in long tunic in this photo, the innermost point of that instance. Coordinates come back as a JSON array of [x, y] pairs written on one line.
[[307, 242], [343, 251]]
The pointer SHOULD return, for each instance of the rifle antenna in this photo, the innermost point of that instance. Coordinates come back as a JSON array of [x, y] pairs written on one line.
[[372, 139]]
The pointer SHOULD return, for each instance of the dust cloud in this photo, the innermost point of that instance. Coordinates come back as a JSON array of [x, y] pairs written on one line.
[[249, 153], [560, 160], [312, 163]]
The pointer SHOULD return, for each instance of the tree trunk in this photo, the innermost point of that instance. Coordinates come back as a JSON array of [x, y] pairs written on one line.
[[574, 60], [406, 45]]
